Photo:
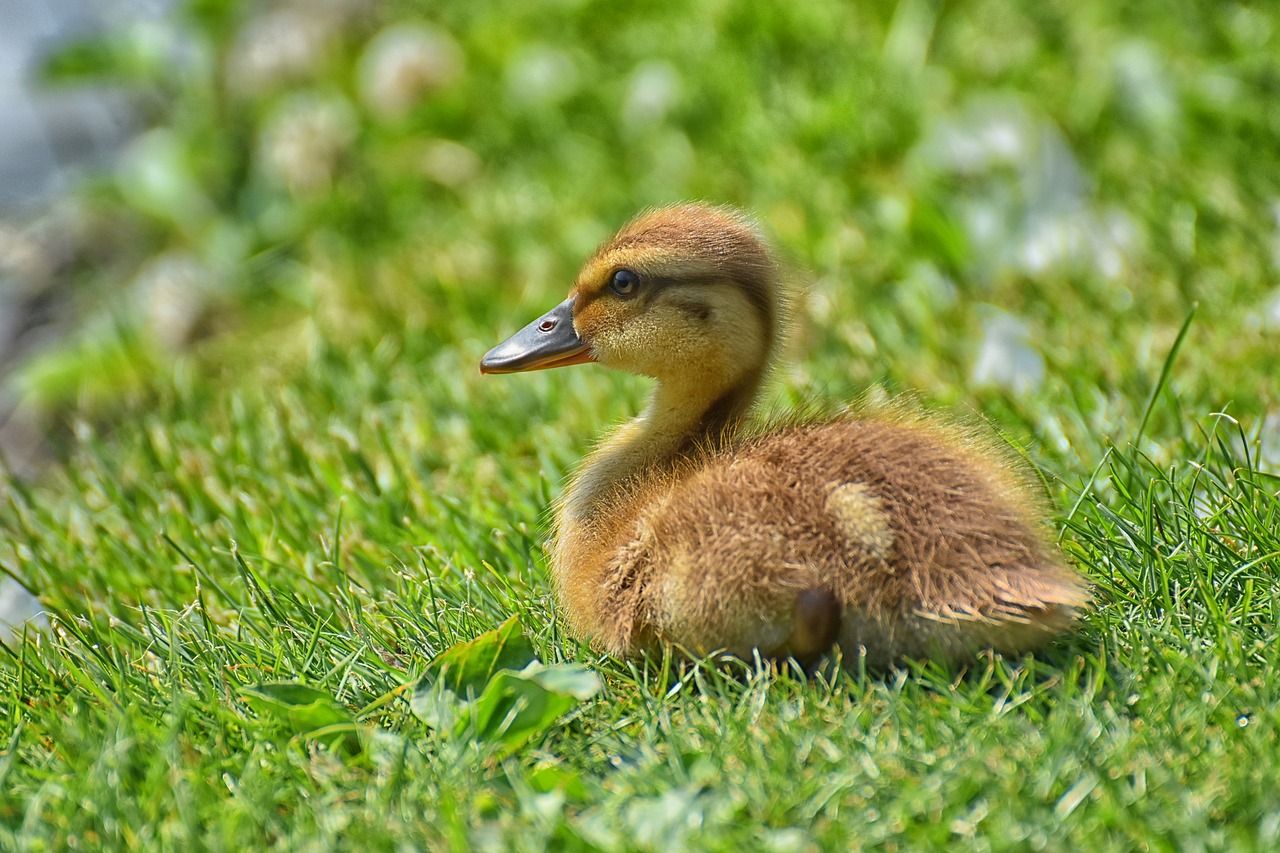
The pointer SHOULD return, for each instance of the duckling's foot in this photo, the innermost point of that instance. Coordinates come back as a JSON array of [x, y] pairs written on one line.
[[817, 624]]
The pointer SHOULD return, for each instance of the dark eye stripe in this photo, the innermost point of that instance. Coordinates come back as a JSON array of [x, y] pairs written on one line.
[[755, 292], [698, 310]]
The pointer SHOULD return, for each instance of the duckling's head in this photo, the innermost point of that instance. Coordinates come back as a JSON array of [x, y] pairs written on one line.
[[687, 294]]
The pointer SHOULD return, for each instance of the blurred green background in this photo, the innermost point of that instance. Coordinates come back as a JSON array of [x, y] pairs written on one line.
[[976, 193]]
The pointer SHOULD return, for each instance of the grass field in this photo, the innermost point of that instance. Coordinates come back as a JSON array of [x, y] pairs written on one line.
[[279, 463]]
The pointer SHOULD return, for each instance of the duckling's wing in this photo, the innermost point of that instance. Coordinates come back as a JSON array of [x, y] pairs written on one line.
[[1017, 612]]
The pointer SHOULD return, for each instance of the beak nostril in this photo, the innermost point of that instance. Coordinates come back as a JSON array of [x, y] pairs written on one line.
[[547, 325]]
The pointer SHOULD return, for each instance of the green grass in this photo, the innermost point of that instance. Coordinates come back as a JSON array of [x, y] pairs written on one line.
[[321, 488]]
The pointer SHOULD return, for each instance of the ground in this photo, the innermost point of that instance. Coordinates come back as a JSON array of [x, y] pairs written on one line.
[[277, 462]]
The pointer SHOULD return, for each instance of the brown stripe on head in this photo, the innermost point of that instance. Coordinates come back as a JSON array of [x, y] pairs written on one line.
[[688, 244]]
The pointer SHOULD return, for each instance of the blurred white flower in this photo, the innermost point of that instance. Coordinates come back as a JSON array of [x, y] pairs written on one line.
[[1267, 318], [1076, 240], [18, 608], [1269, 442], [1051, 243], [154, 173], [1121, 236], [449, 163], [1006, 358], [1027, 206], [541, 75], [405, 62], [304, 139], [981, 137], [1145, 88], [290, 42], [174, 289], [286, 44], [652, 90], [24, 260]]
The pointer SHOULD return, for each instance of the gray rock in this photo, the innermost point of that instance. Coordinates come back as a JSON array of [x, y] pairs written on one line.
[[19, 611]]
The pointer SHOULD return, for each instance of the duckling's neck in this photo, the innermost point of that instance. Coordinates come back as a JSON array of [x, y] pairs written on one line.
[[633, 465], [682, 420]]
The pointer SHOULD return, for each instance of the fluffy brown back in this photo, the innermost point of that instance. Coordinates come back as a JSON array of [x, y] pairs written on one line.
[[928, 542]]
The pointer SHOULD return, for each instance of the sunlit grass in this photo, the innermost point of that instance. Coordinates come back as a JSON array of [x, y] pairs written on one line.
[[319, 487]]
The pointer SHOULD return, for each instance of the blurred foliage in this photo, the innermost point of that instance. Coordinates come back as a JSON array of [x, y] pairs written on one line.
[[288, 490], [437, 170]]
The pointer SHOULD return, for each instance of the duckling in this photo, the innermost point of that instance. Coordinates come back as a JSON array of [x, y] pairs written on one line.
[[885, 536]]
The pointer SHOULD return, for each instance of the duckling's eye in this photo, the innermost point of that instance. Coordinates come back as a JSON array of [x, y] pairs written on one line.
[[624, 283]]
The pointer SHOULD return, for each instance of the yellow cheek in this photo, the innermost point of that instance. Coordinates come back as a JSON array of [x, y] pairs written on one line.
[[592, 320], [653, 345], [608, 327]]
